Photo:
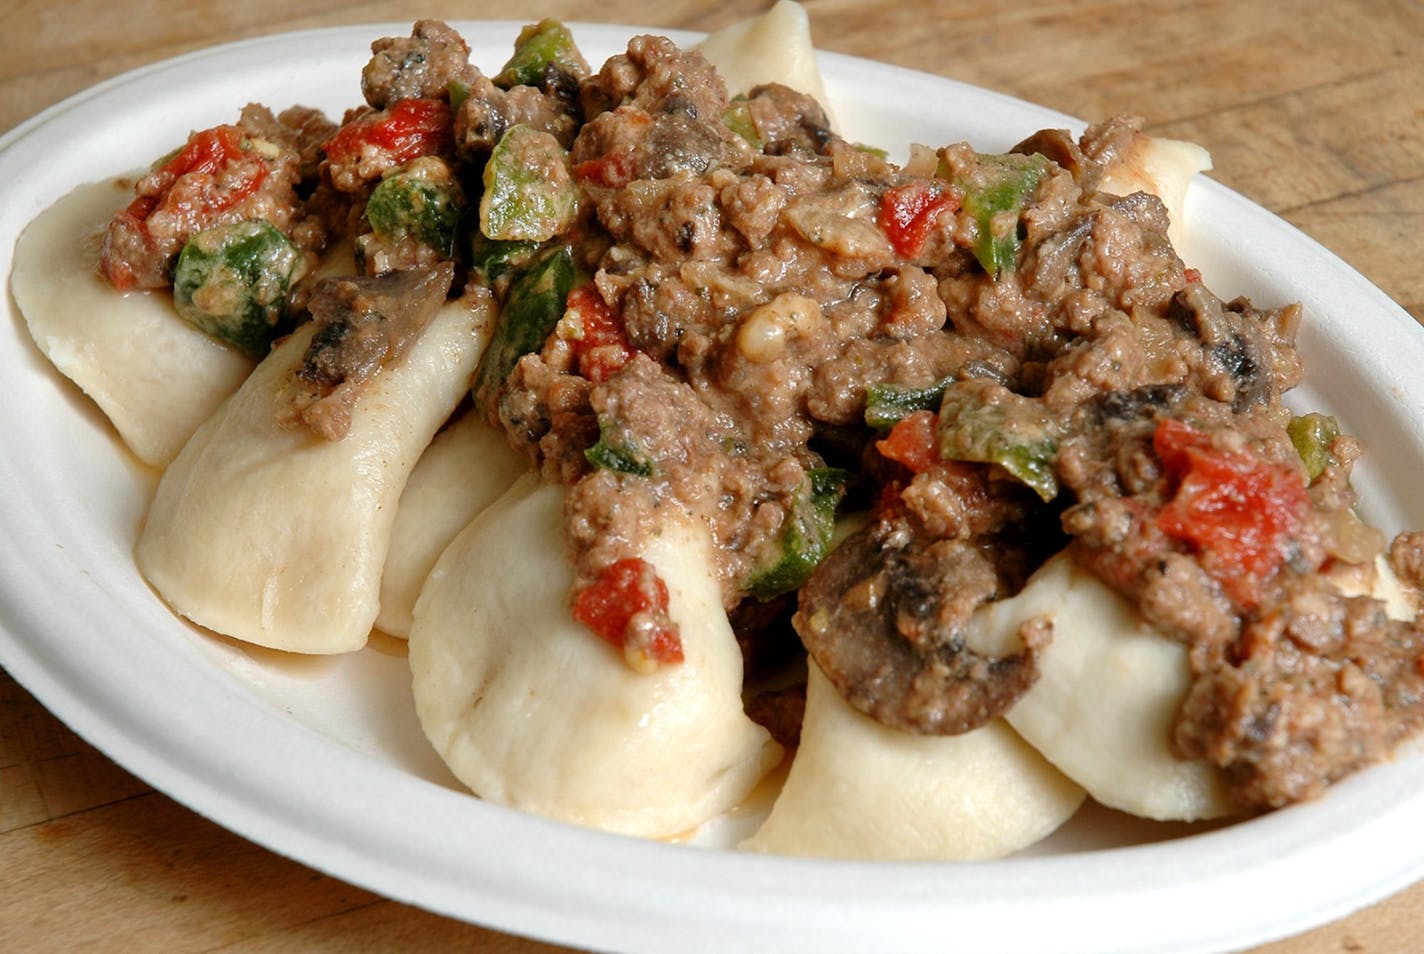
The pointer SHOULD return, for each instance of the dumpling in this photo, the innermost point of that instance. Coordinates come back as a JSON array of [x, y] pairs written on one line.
[[468, 465], [1108, 691], [532, 711], [155, 376], [1376, 580], [1163, 167], [1110, 688], [860, 790], [276, 537], [774, 47]]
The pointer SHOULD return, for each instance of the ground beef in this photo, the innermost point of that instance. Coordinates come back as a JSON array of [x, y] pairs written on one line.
[[653, 113], [656, 417], [247, 170], [787, 121], [655, 75], [546, 413], [488, 111], [1406, 556], [1315, 688], [421, 66]]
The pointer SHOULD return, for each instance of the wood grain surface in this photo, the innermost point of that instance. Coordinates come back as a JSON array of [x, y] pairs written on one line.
[[1314, 110]]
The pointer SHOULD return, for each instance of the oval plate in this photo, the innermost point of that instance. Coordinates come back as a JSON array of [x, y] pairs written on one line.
[[323, 760]]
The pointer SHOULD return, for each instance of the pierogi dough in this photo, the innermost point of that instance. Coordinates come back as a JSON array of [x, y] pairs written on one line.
[[1108, 691], [1165, 168], [466, 467], [533, 711], [155, 376], [772, 48], [860, 790], [277, 537]]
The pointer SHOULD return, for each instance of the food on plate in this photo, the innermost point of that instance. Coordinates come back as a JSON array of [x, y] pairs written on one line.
[[859, 789], [946, 475], [246, 171], [1116, 741], [529, 712]]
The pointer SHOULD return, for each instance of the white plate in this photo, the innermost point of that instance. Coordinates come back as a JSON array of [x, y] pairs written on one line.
[[322, 760]]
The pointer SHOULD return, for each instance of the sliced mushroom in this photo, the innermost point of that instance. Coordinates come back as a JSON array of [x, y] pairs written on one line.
[[362, 325], [883, 618]]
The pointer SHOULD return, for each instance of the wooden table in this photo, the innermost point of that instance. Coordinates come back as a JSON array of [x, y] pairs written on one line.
[[1315, 110]]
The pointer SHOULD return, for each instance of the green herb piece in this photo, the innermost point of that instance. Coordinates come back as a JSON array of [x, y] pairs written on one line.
[[422, 201], [458, 92], [887, 404], [617, 452], [541, 49], [492, 259], [738, 117]]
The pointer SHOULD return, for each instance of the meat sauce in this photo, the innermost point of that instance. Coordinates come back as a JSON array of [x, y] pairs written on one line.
[[990, 357]]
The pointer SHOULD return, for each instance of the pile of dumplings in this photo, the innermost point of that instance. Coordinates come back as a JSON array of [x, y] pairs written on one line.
[[428, 527]]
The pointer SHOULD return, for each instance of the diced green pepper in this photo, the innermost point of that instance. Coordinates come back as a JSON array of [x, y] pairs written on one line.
[[995, 194], [231, 282], [887, 404], [980, 420], [1312, 435], [738, 117], [493, 259], [533, 306], [616, 452], [423, 201], [805, 535], [541, 48], [530, 194], [457, 91]]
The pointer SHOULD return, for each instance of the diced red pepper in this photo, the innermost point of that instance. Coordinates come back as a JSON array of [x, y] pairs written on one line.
[[601, 347], [1237, 511], [207, 153], [213, 172], [1192, 275], [908, 213], [617, 167], [913, 442], [406, 130], [612, 171], [627, 605]]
